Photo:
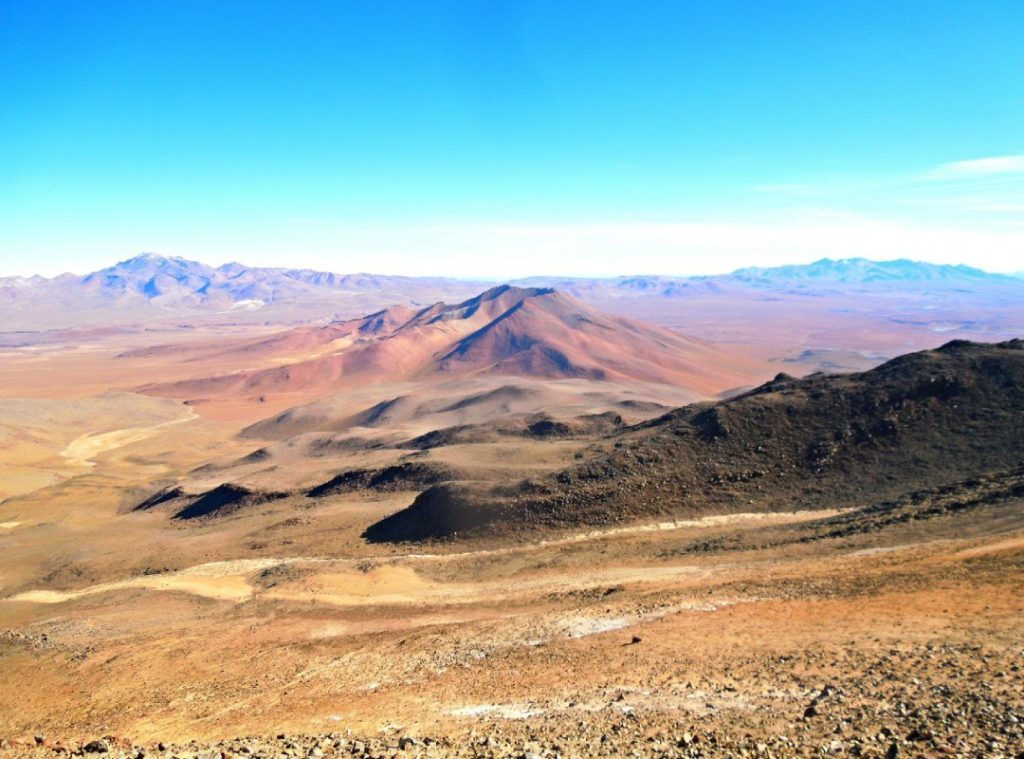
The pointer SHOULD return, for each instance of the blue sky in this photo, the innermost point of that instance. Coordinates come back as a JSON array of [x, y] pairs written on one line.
[[505, 139]]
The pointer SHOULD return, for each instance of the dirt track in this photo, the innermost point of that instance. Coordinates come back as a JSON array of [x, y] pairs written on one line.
[[82, 450], [810, 633], [730, 649]]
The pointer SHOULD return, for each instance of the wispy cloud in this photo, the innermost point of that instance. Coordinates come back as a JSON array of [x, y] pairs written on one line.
[[979, 167], [970, 192]]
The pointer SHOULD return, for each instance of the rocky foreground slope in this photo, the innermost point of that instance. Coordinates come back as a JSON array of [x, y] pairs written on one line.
[[925, 720], [921, 420]]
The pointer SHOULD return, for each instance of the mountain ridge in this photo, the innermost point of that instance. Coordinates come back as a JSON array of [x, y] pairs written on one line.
[[151, 290], [536, 332], [864, 271], [150, 274], [922, 420], [825, 272]]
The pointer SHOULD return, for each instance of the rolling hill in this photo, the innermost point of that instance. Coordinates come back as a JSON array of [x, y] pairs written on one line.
[[784, 313], [534, 332], [927, 420]]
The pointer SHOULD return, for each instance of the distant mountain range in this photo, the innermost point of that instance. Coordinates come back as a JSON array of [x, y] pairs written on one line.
[[150, 287], [861, 271], [532, 332], [821, 276], [177, 281], [170, 280]]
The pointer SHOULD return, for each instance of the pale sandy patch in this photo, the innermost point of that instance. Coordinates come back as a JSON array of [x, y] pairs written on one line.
[[1010, 544], [220, 588], [585, 626], [386, 585], [82, 450], [400, 585], [715, 520], [504, 711], [220, 580]]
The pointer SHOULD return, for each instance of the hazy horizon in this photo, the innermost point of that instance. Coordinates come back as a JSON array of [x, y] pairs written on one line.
[[497, 280]]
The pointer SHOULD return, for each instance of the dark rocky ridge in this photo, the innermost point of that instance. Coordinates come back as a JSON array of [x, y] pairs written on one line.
[[407, 475], [538, 426], [919, 421], [226, 499]]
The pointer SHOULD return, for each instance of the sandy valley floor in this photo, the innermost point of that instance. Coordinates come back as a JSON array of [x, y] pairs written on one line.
[[279, 630]]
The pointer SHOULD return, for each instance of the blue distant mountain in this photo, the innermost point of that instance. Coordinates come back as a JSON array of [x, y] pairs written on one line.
[[150, 284], [171, 280], [861, 271], [827, 275]]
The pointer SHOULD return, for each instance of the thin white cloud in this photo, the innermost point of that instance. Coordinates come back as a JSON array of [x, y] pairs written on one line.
[[977, 167]]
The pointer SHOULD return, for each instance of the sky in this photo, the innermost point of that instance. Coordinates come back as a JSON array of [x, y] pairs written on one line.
[[500, 139]]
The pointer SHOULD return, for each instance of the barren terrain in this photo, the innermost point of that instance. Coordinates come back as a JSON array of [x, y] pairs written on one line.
[[186, 578]]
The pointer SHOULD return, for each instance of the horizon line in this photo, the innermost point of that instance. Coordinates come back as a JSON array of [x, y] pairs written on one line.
[[487, 279]]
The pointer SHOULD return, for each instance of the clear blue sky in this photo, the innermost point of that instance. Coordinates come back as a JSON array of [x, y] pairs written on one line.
[[474, 138]]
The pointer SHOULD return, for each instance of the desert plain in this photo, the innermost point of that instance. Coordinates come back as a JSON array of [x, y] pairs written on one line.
[[189, 565]]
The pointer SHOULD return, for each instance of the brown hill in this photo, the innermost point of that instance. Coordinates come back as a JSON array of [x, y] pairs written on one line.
[[316, 340], [919, 421], [407, 410], [505, 330]]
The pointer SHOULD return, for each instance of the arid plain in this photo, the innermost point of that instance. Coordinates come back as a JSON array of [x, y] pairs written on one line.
[[205, 538]]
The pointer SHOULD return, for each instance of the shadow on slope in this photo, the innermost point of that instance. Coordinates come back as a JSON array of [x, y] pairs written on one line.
[[226, 499], [918, 421]]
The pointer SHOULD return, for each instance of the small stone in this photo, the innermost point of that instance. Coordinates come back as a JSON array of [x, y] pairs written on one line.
[[405, 743], [920, 733], [96, 747]]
